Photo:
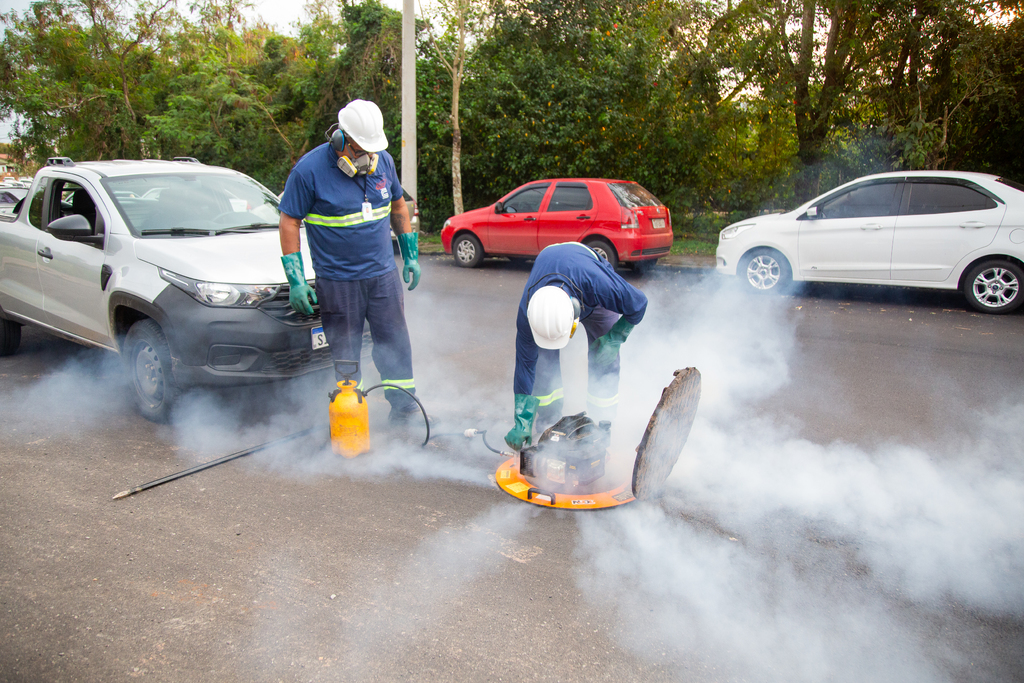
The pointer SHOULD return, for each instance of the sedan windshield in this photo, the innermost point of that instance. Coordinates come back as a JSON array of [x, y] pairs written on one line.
[[193, 204]]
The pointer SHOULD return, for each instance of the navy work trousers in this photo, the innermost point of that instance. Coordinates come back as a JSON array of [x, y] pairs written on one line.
[[380, 301]]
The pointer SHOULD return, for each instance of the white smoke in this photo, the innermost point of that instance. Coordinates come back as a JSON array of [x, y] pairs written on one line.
[[776, 558]]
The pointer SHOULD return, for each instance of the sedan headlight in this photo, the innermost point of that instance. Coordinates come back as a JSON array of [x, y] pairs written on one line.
[[734, 230], [219, 293]]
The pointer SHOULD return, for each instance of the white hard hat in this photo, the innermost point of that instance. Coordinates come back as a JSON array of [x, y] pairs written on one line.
[[552, 317], [362, 122]]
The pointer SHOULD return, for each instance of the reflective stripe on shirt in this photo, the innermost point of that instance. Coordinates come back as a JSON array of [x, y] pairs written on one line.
[[349, 221]]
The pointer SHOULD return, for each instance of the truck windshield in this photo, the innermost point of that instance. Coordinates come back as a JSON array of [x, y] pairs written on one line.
[[172, 205]]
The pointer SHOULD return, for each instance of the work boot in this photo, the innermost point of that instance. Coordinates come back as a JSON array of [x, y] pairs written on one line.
[[406, 415]]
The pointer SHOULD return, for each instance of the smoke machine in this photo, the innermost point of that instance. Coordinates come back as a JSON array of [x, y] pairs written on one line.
[[566, 468]]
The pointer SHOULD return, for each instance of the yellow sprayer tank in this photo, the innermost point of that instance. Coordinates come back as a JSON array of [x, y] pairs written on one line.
[[350, 433]]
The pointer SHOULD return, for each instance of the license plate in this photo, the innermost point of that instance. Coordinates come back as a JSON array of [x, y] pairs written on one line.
[[659, 223], [319, 340]]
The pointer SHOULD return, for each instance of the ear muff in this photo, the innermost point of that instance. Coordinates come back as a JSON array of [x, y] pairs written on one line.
[[337, 139], [575, 315]]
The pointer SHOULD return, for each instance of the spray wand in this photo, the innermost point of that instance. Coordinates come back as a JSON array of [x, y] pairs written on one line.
[[212, 463]]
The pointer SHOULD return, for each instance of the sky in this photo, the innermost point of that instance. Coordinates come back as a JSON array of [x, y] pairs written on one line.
[[280, 13]]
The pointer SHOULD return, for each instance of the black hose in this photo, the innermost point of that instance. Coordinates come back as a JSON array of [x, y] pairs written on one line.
[[423, 410], [483, 435]]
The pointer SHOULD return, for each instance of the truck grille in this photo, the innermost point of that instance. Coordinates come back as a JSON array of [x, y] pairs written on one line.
[[280, 309], [296, 361]]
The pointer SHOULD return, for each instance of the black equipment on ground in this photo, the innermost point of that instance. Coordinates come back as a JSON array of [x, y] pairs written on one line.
[[569, 454]]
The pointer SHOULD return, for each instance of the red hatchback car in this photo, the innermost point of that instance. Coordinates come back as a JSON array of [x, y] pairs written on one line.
[[618, 219]]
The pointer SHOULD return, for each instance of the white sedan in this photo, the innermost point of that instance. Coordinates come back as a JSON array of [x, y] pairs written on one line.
[[935, 229]]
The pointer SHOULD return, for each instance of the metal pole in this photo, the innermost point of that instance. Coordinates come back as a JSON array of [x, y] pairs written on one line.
[[212, 463], [409, 160]]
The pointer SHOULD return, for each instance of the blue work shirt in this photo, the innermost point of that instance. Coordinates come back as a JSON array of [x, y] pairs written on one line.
[[581, 274], [344, 245]]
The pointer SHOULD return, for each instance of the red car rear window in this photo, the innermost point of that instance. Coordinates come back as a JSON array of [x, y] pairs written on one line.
[[631, 195]]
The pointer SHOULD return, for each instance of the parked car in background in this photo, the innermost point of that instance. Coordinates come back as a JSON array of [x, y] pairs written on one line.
[[10, 196], [618, 219], [174, 265], [934, 229]]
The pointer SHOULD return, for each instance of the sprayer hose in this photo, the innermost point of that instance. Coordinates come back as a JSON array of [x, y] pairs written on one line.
[[423, 410], [483, 434]]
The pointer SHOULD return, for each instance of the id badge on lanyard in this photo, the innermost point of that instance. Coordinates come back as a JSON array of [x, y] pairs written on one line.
[[367, 211]]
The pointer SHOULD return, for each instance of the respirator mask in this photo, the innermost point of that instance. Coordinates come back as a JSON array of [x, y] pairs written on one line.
[[362, 165]]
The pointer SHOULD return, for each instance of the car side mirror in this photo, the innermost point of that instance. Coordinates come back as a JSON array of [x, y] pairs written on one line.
[[499, 207], [812, 212]]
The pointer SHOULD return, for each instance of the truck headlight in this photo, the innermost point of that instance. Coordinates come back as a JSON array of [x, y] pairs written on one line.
[[219, 293], [734, 230]]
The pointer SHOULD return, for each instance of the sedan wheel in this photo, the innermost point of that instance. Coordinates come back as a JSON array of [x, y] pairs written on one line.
[[994, 287], [765, 270], [468, 251]]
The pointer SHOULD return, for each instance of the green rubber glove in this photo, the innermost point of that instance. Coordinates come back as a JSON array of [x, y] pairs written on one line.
[[408, 243], [526, 411], [606, 348], [300, 292]]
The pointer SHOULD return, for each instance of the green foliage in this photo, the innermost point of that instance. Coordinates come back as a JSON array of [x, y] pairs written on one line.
[[721, 110]]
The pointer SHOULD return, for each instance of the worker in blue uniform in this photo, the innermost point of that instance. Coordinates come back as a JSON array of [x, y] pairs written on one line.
[[348, 192], [568, 286]]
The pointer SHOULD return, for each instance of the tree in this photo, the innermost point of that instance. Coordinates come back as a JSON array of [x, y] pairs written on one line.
[[81, 75], [462, 17]]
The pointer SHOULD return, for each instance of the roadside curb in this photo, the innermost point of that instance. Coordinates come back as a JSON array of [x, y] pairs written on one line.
[[671, 261]]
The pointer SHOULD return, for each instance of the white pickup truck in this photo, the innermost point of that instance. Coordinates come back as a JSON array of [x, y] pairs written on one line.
[[174, 265]]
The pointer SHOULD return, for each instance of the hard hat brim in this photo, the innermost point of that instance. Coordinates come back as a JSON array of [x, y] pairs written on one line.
[[376, 145], [552, 344]]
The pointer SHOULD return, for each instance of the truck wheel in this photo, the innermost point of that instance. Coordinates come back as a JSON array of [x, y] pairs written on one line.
[[10, 337], [147, 362], [468, 251], [604, 250]]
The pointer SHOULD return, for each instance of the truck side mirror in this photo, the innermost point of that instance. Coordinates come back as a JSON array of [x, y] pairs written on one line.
[[77, 228], [70, 227]]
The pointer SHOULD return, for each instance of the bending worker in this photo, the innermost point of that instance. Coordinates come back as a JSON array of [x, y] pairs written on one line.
[[348, 192], [569, 285]]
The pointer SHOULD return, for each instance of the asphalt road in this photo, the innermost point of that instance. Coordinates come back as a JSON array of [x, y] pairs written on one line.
[[848, 508]]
